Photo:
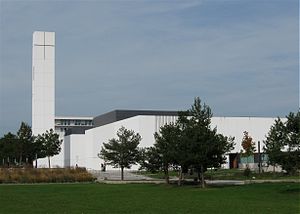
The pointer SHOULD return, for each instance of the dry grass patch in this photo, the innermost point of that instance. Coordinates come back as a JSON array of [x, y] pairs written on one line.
[[30, 175]]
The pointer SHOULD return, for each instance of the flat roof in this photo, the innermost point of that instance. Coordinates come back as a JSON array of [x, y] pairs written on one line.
[[117, 115], [72, 118]]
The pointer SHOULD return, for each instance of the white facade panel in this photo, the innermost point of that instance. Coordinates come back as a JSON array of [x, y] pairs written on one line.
[[38, 38], [49, 53], [146, 126], [38, 52], [50, 38], [38, 66], [257, 128], [39, 80], [37, 96]]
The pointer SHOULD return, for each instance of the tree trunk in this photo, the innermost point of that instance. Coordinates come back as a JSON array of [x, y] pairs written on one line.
[[202, 177], [49, 162], [166, 171], [122, 173], [180, 177], [35, 160]]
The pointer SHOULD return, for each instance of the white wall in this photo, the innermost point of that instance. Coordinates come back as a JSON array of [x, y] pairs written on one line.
[[75, 151], [257, 127], [146, 126]]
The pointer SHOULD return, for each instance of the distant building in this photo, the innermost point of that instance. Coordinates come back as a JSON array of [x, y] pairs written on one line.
[[82, 148], [64, 124]]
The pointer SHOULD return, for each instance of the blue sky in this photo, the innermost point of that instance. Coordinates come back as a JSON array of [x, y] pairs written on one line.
[[241, 57]]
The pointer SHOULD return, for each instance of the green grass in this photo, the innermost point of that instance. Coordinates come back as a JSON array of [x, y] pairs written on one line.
[[238, 174], [228, 174], [149, 198]]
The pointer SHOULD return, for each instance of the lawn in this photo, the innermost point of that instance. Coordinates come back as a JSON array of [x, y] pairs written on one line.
[[149, 198], [227, 174]]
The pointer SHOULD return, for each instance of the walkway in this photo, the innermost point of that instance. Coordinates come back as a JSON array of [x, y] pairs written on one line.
[[115, 175]]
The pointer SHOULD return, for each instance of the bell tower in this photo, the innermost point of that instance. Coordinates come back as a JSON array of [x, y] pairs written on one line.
[[43, 81]]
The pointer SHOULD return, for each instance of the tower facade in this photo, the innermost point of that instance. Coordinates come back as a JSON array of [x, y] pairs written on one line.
[[43, 81]]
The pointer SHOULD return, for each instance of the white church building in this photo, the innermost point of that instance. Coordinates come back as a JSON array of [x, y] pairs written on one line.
[[83, 137]]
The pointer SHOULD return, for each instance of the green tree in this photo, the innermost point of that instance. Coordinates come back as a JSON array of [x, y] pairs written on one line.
[[26, 146], [149, 159], [200, 145], [283, 143], [18, 149], [248, 146], [9, 149], [48, 145], [166, 145], [122, 151]]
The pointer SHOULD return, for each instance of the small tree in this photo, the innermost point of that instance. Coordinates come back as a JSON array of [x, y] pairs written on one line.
[[25, 144], [49, 144], [248, 146], [166, 146], [123, 151], [283, 143]]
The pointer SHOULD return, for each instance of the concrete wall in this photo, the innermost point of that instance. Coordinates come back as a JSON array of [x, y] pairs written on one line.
[[75, 150], [146, 126], [257, 127]]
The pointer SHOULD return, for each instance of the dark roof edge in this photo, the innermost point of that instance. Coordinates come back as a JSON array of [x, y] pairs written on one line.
[[119, 114]]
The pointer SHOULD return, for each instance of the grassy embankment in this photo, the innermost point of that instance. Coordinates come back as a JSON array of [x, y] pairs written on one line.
[[30, 175], [149, 198]]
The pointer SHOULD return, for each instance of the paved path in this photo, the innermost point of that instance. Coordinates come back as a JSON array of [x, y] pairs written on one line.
[[224, 182], [115, 175]]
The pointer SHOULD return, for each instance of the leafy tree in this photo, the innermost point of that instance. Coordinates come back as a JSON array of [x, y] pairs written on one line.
[[191, 143], [166, 146], [122, 151], [8, 148], [203, 147], [149, 159], [49, 145], [18, 147], [26, 146], [249, 147], [283, 143]]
